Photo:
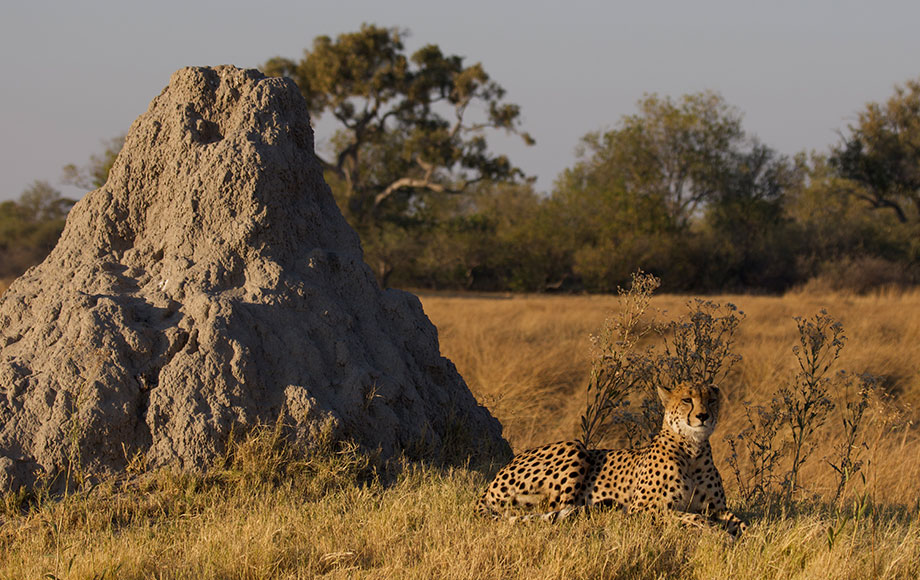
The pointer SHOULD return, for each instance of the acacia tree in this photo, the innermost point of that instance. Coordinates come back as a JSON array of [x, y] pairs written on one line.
[[882, 153], [409, 125]]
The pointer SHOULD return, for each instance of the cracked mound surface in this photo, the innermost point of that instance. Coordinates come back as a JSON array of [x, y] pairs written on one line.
[[212, 284]]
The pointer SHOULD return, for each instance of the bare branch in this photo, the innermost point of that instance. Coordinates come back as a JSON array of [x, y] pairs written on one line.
[[337, 168], [879, 202], [425, 182], [460, 109]]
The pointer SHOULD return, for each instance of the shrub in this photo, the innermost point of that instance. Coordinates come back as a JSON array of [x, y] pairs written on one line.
[[861, 275]]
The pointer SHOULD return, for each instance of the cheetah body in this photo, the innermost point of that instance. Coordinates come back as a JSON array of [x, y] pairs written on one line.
[[674, 474]]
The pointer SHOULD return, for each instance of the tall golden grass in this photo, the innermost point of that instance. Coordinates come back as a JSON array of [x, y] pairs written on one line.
[[527, 358], [265, 513], [421, 526]]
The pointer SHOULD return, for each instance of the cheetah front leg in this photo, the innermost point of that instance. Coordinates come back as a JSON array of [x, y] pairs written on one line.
[[708, 499], [562, 503], [724, 520], [568, 499], [553, 516], [732, 523]]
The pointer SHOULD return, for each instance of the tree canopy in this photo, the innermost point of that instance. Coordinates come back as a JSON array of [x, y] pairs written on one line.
[[677, 188], [672, 152], [882, 153], [30, 227], [678, 177], [407, 124], [95, 172]]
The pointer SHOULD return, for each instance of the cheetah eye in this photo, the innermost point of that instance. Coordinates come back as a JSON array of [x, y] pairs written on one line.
[[688, 401]]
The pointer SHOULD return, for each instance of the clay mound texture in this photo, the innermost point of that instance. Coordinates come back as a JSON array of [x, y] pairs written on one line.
[[210, 286]]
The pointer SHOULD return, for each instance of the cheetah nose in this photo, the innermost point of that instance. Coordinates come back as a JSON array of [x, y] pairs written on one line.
[[703, 417]]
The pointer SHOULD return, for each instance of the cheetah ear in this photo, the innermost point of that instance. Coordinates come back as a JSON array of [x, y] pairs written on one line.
[[664, 394]]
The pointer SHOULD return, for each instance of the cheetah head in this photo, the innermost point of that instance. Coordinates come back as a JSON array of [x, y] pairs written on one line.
[[691, 410]]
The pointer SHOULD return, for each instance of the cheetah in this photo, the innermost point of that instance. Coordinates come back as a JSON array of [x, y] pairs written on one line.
[[674, 474]]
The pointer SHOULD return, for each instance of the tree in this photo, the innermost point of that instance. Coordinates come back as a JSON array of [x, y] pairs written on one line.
[[607, 228], [30, 227], [667, 190], [499, 237], [748, 237], [94, 174], [41, 202], [672, 152], [407, 124], [844, 246], [882, 153]]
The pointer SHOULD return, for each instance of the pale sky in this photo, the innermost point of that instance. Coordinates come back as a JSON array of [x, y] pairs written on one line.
[[78, 73]]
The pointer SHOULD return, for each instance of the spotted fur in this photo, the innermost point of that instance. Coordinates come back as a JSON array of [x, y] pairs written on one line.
[[674, 474]]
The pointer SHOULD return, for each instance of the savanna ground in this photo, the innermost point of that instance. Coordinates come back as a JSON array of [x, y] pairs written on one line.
[[265, 512]]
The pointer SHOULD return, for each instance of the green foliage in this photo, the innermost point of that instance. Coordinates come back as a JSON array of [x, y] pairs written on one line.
[[497, 237], [842, 246], [748, 240], [882, 153], [30, 227], [833, 222], [522, 252], [672, 154], [95, 172], [608, 232], [680, 190], [408, 128]]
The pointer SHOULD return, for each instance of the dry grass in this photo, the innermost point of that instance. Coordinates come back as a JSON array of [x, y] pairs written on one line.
[[421, 526], [271, 515], [527, 358]]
